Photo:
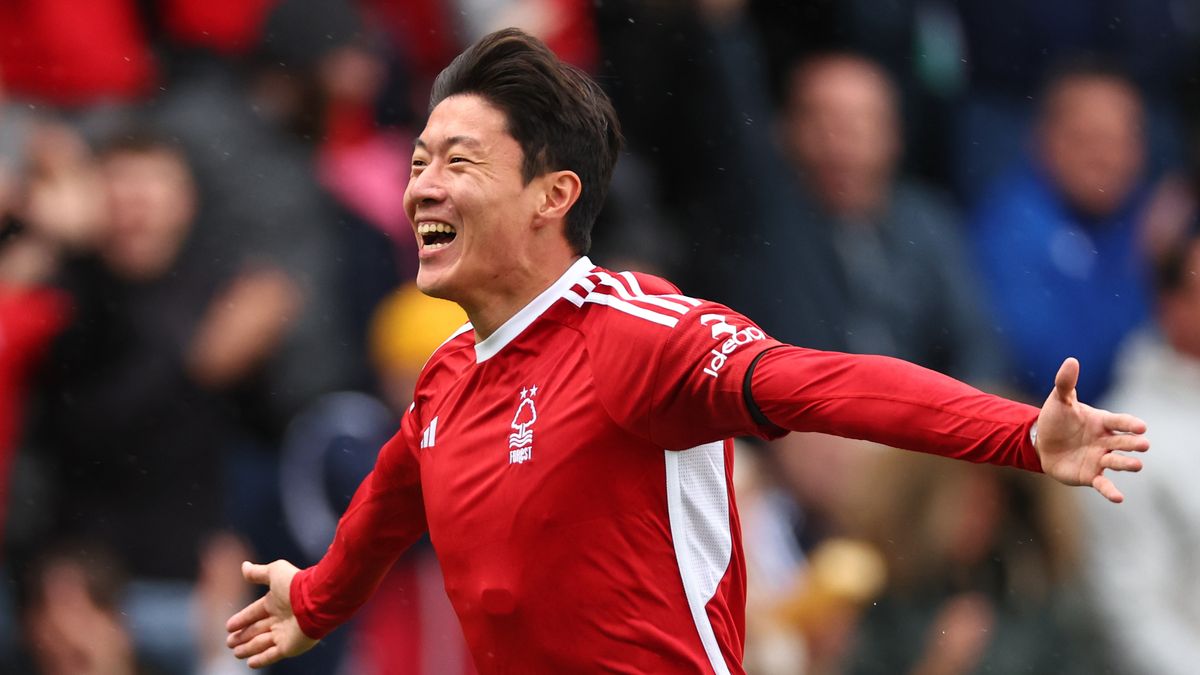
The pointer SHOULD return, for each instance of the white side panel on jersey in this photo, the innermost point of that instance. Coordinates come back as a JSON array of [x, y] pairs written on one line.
[[698, 506]]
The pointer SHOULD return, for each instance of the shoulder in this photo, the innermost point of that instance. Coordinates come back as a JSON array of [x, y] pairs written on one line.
[[1022, 191], [933, 206], [630, 305], [454, 355], [629, 317]]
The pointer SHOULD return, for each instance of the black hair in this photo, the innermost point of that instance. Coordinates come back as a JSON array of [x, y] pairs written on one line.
[[560, 117], [1171, 266]]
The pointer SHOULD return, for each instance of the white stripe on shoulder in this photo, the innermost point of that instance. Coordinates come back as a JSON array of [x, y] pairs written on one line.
[[633, 283], [574, 298], [622, 306], [636, 287], [607, 280]]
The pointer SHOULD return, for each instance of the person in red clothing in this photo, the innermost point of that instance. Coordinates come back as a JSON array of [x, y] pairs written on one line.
[[568, 449]]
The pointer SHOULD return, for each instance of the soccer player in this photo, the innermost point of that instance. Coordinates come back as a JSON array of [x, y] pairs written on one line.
[[568, 449]]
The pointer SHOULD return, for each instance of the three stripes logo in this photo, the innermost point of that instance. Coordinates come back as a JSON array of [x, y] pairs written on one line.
[[520, 441], [427, 437]]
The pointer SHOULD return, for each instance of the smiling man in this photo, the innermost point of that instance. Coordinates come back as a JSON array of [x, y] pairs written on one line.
[[568, 449]]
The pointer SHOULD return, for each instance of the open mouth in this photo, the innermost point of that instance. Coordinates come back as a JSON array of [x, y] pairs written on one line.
[[436, 235]]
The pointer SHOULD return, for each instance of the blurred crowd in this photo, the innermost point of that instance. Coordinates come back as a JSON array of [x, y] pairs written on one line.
[[208, 327]]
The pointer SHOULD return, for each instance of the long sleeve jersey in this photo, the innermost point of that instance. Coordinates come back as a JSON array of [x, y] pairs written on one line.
[[573, 471]]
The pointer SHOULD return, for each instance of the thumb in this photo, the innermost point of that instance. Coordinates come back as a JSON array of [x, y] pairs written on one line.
[[256, 574], [1066, 379]]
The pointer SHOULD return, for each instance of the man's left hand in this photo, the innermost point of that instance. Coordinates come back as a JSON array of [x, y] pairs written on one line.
[[1077, 442]]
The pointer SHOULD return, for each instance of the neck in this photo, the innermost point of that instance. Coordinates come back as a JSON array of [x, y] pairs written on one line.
[[520, 286]]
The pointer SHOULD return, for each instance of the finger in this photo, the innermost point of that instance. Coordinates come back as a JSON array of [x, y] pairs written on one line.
[[1125, 443], [256, 574], [1065, 380], [255, 611], [1119, 462], [266, 658], [1105, 487], [255, 646], [1123, 422], [257, 628]]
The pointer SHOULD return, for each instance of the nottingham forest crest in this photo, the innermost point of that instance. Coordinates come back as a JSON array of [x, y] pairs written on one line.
[[520, 441]]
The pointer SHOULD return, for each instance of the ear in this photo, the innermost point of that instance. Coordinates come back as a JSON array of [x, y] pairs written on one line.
[[560, 191]]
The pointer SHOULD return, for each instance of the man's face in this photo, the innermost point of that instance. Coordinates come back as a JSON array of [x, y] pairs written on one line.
[[841, 127], [468, 202], [152, 203], [1092, 143], [1180, 308]]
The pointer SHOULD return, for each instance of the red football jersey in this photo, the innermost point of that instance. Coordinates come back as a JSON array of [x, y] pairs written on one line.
[[573, 471]]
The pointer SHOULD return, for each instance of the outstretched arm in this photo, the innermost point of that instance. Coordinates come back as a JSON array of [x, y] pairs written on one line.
[[899, 404]]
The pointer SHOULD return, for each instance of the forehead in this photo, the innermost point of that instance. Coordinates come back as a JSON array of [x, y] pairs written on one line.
[[1093, 97], [841, 82], [467, 119], [156, 162]]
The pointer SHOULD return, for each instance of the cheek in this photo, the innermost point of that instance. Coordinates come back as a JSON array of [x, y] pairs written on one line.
[[409, 203]]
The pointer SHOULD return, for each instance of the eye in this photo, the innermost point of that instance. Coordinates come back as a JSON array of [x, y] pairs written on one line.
[[418, 162], [458, 160]]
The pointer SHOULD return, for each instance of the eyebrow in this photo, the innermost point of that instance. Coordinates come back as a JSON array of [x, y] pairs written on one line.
[[468, 141]]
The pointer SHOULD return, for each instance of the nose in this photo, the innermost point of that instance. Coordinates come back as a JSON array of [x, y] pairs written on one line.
[[427, 186]]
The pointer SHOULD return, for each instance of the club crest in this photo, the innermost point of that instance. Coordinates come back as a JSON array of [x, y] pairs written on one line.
[[520, 441]]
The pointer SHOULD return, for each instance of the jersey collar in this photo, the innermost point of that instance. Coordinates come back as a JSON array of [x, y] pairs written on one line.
[[509, 330]]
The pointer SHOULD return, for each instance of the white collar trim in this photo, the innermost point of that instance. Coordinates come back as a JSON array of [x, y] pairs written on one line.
[[518, 322]]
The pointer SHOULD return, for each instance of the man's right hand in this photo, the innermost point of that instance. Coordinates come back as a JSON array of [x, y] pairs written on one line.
[[266, 631]]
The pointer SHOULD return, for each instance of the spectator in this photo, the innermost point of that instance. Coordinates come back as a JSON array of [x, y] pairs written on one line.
[[903, 285], [32, 312], [567, 26], [801, 607], [168, 323], [681, 127], [1147, 550], [319, 78], [75, 620], [978, 564], [1010, 48], [1057, 237], [72, 618]]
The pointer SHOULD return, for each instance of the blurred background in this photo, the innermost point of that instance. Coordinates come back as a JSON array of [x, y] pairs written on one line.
[[207, 323]]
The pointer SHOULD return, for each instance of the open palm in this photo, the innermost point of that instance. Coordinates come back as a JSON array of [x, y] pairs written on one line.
[[266, 630], [1077, 443]]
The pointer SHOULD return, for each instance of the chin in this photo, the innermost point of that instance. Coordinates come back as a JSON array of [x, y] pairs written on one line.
[[436, 284]]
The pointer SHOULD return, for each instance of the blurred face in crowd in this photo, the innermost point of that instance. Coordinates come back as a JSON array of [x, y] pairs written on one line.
[[1179, 308], [468, 201], [842, 128], [1091, 142], [151, 205]]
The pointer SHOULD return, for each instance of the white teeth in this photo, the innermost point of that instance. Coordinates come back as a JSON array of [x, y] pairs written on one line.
[[435, 228]]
